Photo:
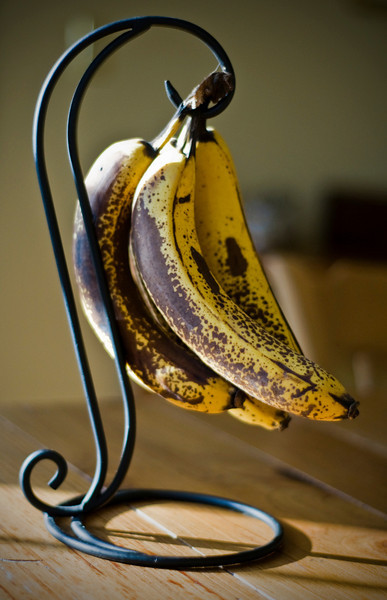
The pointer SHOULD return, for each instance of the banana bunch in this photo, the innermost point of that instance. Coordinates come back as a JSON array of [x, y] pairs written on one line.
[[199, 323], [257, 353], [156, 361]]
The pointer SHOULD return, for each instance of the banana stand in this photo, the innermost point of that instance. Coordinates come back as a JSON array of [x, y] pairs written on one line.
[[67, 521]]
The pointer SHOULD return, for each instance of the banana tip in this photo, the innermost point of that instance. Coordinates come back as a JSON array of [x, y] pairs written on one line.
[[284, 422], [353, 410], [349, 404]]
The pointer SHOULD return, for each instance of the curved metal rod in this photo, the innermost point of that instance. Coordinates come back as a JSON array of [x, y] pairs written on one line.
[[213, 45], [136, 26], [55, 481], [126, 390], [90, 543], [93, 497]]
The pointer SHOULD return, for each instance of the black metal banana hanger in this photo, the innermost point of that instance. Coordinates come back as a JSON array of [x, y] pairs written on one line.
[[100, 495]]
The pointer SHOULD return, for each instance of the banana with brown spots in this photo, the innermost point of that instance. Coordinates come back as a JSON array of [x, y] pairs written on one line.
[[180, 283], [155, 360], [230, 253], [225, 239], [252, 411]]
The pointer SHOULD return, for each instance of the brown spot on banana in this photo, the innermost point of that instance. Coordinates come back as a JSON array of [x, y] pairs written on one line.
[[236, 262], [204, 270]]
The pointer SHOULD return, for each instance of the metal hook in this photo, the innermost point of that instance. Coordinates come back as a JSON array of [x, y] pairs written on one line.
[[215, 88]]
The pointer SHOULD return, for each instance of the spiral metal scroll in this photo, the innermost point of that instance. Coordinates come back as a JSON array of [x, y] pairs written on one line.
[[98, 494]]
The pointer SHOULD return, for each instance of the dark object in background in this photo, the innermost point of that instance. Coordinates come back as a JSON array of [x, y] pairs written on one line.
[[356, 224]]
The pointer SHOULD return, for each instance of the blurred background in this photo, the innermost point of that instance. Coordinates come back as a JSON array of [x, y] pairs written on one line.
[[307, 128]]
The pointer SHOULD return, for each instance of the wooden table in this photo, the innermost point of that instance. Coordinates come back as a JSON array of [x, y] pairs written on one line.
[[326, 483]]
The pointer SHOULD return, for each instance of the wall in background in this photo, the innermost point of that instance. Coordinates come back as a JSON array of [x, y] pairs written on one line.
[[308, 113]]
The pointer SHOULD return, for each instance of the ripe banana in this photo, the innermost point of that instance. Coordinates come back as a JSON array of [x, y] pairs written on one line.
[[225, 239], [252, 411], [231, 256], [154, 360], [169, 260], [245, 408]]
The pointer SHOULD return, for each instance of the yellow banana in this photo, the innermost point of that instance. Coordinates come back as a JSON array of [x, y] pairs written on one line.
[[225, 239], [154, 360], [177, 278], [246, 409], [252, 411], [231, 256]]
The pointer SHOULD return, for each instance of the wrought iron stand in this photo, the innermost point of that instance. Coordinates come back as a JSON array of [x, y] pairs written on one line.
[[100, 495]]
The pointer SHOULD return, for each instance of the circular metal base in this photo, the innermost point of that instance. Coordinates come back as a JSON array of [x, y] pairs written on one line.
[[81, 539]]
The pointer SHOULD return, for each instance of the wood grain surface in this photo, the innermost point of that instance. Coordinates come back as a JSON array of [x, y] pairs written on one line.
[[326, 483]]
